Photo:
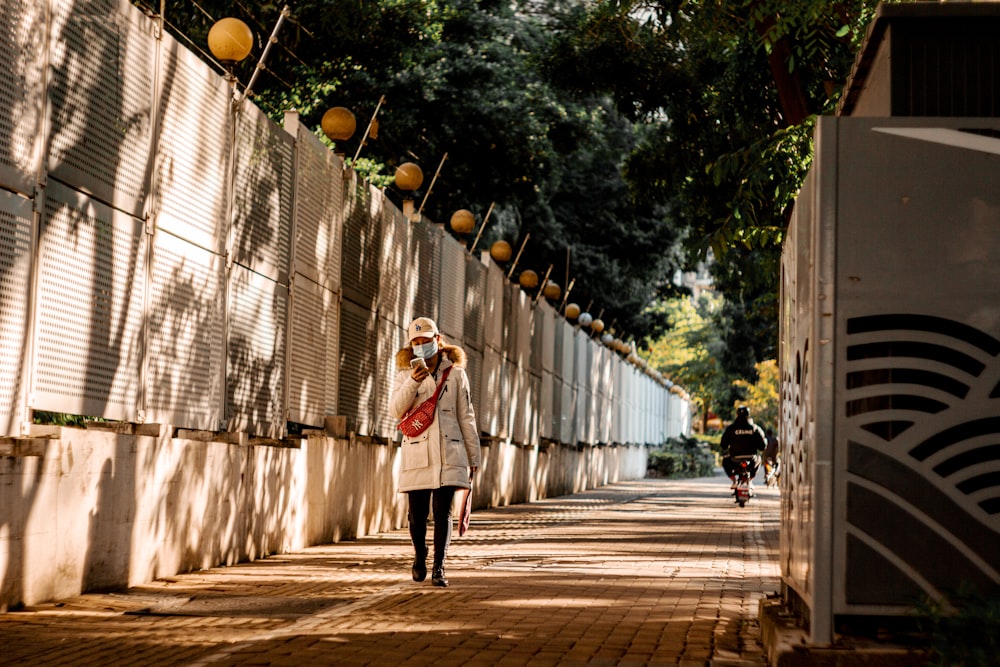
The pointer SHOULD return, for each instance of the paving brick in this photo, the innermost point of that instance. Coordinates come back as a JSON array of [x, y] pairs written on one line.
[[636, 573]]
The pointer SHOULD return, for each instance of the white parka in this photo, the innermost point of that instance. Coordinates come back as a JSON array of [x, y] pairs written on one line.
[[444, 453]]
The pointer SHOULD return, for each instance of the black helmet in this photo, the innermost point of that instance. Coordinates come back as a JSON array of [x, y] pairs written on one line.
[[743, 411]]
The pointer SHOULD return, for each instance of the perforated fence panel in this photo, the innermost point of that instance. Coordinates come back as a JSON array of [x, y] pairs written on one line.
[[425, 258], [509, 385], [493, 308], [536, 336], [101, 93], [545, 323], [524, 402], [255, 369], [565, 331], [399, 280], [509, 322], [567, 413], [521, 312], [451, 281], [362, 245], [390, 340], [312, 385], [90, 307], [15, 284], [492, 387], [262, 197], [319, 201], [605, 409], [23, 27], [475, 293], [191, 165], [356, 393], [186, 358], [545, 411], [474, 369]]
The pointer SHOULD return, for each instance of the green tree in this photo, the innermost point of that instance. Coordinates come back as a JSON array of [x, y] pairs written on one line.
[[466, 78], [688, 352]]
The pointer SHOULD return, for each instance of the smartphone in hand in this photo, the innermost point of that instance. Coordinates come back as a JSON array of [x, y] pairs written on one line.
[[417, 362]]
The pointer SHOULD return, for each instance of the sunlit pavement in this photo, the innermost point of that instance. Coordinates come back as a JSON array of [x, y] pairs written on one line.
[[638, 573]]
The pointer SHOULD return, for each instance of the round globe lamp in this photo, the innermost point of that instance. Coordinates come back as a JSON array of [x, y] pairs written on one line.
[[462, 221], [597, 325], [501, 251], [585, 319], [551, 290], [528, 279], [572, 311], [409, 176], [338, 124], [607, 339], [230, 41]]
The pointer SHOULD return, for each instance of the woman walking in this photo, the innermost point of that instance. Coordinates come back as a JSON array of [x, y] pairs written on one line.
[[442, 458]]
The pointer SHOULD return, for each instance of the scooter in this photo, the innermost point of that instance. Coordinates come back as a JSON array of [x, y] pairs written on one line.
[[744, 487]]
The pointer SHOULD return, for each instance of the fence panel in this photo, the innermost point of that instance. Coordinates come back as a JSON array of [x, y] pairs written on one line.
[[424, 265], [312, 384], [262, 197], [493, 334], [91, 286], [190, 182], [399, 280], [101, 94], [451, 283], [256, 368], [185, 342], [475, 294], [16, 222], [23, 25], [319, 206], [362, 243], [390, 339], [356, 394]]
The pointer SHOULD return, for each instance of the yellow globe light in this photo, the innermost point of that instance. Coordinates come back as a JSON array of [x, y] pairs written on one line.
[[597, 325], [551, 290], [572, 311], [462, 221], [409, 176], [338, 124], [230, 40], [528, 279], [501, 251]]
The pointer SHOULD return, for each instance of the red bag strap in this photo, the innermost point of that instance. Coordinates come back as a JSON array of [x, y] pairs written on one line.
[[444, 377]]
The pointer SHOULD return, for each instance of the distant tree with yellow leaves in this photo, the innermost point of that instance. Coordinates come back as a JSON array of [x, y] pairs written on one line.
[[762, 396]]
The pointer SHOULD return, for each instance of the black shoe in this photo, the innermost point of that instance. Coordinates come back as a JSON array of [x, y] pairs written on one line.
[[437, 578], [419, 569]]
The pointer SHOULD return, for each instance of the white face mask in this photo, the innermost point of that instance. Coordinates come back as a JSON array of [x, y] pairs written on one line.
[[426, 350]]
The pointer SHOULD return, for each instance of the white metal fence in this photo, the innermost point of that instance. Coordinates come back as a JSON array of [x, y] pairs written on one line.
[[167, 259]]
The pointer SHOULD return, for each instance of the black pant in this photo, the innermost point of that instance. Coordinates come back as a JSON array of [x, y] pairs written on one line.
[[419, 508]]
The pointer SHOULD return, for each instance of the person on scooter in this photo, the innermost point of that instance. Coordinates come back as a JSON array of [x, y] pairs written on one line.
[[742, 438], [770, 455]]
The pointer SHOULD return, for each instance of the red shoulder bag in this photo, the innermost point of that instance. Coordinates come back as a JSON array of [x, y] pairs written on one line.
[[417, 420]]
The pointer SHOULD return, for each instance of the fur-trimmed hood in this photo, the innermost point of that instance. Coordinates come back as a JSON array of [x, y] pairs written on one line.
[[454, 353]]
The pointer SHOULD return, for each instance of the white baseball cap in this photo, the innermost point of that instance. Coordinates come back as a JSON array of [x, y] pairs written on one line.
[[422, 327]]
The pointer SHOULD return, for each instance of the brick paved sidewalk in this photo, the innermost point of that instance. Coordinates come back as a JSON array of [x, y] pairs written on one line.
[[652, 572]]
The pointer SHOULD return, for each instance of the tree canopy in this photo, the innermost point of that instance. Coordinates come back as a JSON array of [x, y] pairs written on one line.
[[629, 138]]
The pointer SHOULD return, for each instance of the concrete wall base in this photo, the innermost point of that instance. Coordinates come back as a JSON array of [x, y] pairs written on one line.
[[91, 510], [786, 644]]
